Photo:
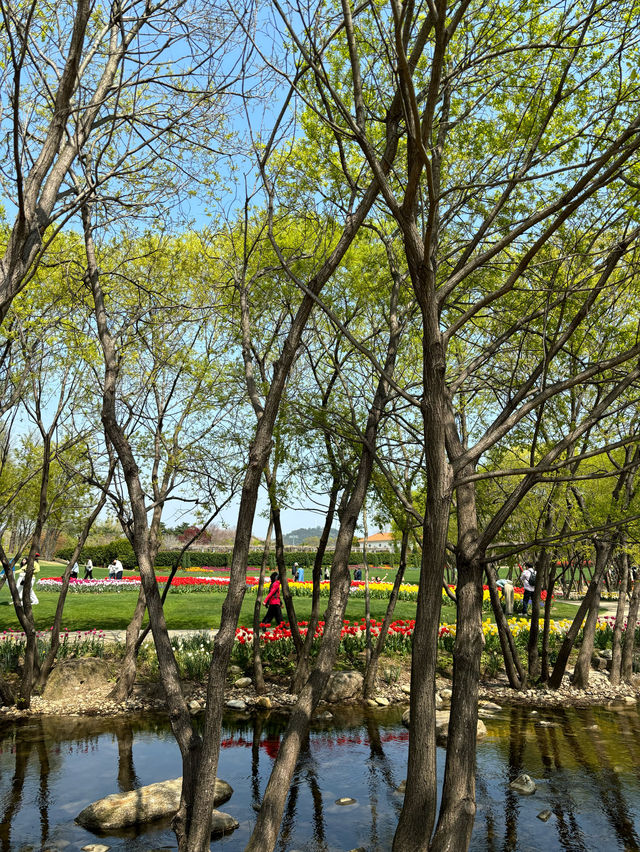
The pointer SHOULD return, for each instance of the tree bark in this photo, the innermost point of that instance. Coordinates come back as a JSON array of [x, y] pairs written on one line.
[[513, 667], [419, 808], [616, 654], [542, 569], [583, 664], [258, 673], [304, 663], [264, 836], [630, 633], [372, 666], [563, 655], [544, 661]]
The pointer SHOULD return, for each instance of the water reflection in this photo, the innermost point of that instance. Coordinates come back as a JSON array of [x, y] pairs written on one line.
[[585, 764]]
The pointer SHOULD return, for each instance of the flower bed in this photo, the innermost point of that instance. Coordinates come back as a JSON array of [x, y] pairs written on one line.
[[79, 643]]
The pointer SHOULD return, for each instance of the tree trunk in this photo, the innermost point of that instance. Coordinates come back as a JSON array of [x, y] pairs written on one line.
[[616, 654], [265, 832], [544, 662], [419, 808], [563, 656], [304, 663], [458, 805], [258, 673], [630, 633], [128, 667], [367, 595], [372, 666], [282, 571], [583, 664], [513, 666], [542, 567]]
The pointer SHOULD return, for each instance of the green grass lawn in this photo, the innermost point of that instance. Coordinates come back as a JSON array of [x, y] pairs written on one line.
[[190, 610]]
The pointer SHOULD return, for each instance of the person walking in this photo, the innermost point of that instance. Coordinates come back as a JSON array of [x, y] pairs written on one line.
[[88, 570], [272, 601], [75, 571], [20, 578], [528, 577]]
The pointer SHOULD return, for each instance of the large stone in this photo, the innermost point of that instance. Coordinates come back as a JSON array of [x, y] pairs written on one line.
[[222, 823], [524, 785], [74, 677], [142, 805], [442, 725], [342, 686]]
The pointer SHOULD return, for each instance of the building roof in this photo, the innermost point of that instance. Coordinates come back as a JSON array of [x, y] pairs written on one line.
[[380, 536]]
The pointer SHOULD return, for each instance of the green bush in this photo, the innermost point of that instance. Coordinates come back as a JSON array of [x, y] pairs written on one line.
[[103, 554]]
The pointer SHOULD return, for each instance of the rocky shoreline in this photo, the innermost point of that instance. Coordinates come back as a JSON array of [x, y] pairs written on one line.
[[83, 687]]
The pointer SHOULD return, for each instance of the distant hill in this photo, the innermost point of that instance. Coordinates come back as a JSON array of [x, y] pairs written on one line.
[[302, 535]]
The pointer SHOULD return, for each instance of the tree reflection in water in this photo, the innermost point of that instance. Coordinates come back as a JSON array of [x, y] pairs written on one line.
[[586, 766]]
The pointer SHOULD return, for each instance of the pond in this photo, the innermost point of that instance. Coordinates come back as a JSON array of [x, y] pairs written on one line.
[[586, 764]]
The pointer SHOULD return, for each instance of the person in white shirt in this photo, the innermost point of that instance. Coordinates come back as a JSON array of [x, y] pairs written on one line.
[[117, 569], [528, 578], [88, 570]]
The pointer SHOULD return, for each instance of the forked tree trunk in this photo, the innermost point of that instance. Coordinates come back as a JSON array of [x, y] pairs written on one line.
[[513, 667], [419, 808], [630, 633], [128, 667], [144, 546], [616, 653], [303, 668], [542, 567], [563, 655], [544, 660], [372, 666], [458, 805], [583, 663], [265, 832], [258, 673], [57, 620]]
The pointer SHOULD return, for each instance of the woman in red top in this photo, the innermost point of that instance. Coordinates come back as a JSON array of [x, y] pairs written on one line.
[[272, 601]]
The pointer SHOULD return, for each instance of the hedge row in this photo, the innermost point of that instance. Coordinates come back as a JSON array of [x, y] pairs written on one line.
[[103, 554], [122, 550]]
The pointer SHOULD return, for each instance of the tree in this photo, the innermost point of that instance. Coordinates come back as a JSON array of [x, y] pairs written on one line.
[[493, 179], [121, 87]]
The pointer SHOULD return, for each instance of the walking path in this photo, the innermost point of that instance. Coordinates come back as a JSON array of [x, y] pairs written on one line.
[[121, 635], [606, 607]]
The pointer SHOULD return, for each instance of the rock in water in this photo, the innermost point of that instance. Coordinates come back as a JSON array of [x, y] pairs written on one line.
[[523, 784], [222, 823], [142, 805]]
